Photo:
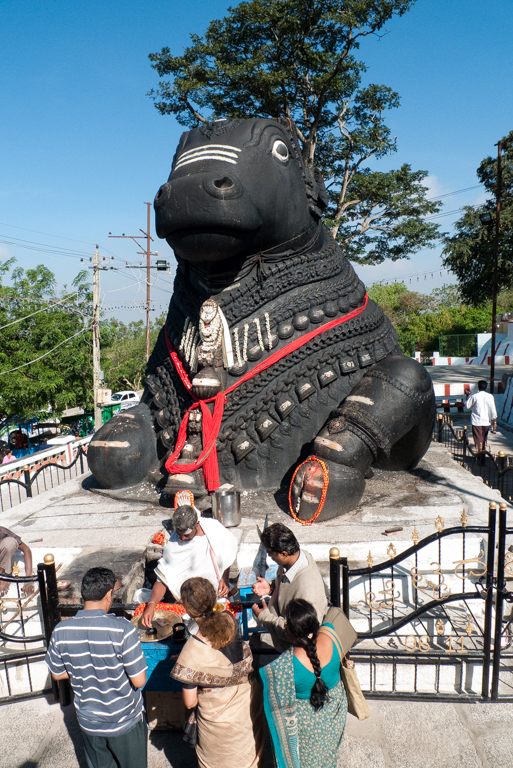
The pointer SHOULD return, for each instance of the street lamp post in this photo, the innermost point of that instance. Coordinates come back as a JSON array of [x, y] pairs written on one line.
[[496, 264], [487, 220]]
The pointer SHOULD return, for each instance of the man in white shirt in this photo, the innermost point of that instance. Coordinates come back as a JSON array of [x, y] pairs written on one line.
[[482, 415], [197, 547]]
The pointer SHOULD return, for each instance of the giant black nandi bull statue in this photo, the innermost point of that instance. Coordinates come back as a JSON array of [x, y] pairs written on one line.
[[273, 361]]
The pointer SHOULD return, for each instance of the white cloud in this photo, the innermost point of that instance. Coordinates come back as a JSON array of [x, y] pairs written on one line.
[[434, 186], [5, 253]]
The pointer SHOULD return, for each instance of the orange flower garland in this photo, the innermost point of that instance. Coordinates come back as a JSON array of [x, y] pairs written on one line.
[[179, 610], [325, 483], [176, 608]]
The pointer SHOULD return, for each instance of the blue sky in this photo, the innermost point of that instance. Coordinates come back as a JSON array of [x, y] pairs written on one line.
[[82, 146]]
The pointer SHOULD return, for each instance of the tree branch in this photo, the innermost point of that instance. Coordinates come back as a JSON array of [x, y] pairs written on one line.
[[191, 109]]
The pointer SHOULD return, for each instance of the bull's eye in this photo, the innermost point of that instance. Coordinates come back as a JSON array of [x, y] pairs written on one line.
[[280, 151]]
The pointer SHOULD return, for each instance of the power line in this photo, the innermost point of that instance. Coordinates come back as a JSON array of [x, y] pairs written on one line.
[[457, 192], [418, 275], [46, 246], [35, 299], [83, 330], [60, 237], [44, 309]]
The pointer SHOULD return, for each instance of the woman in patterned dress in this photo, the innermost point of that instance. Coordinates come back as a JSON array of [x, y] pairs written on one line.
[[304, 700], [215, 669]]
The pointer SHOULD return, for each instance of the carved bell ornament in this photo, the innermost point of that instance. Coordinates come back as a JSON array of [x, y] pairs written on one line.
[[207, 383]]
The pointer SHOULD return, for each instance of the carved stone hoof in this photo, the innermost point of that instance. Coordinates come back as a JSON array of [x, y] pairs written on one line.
[[345, 489], [124, 450], [192, 481]]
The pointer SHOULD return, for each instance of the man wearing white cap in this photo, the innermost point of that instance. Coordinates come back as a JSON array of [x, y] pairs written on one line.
[[197, 547]]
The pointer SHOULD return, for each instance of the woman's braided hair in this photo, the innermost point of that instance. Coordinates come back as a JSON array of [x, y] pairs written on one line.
[[303, 625]]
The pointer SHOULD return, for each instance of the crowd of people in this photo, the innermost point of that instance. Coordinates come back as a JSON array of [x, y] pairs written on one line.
[[298, 695]]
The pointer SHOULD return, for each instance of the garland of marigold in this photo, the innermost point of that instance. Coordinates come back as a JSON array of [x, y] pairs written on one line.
[[179, 610], [325, 483]]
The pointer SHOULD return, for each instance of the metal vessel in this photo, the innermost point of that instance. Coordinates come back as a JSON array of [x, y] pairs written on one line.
[[226, 507]]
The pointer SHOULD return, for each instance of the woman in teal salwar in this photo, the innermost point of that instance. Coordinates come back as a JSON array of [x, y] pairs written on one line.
[[304, 700]]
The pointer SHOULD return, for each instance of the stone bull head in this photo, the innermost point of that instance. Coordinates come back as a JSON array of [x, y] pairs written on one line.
[[237, 187]]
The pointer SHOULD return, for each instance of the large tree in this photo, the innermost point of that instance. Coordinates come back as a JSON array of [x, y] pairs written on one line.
[[124, 351], [45, 352], [469, 253], [296, 59]]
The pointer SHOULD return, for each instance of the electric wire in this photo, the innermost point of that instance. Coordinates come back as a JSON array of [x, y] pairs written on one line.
[[44, 309], [457, 192], [83, 330]]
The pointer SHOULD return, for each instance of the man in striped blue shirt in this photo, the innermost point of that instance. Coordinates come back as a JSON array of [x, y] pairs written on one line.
[[103, 659]]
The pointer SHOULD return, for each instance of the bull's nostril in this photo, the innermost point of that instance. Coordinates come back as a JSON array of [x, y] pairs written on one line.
[[224, 183]]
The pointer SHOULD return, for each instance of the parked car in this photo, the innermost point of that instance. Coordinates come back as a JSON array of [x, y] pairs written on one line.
[[126, 399]]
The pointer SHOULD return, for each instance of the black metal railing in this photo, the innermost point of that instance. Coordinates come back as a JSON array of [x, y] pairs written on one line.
[[27, 619], [496, 470], [422, 631]]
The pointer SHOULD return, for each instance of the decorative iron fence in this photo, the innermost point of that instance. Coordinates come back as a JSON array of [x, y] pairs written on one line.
[[424, 617], [496, 470], [28, 478], [502, 674], [27, 619], [431, 621]]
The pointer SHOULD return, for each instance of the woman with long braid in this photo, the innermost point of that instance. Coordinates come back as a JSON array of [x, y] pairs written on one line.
[[304, 700]]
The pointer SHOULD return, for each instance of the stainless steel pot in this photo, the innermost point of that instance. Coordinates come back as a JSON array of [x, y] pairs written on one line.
[[226, 507]]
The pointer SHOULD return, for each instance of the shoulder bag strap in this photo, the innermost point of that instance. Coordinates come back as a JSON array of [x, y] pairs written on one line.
[[336, 640]]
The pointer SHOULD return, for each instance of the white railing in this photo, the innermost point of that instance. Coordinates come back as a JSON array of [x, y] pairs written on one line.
[[38, 472]]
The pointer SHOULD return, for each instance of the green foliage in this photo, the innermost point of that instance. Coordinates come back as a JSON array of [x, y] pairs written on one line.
[[295, 59], [124, 352], [469, 254], [420, 320], [45, 355]]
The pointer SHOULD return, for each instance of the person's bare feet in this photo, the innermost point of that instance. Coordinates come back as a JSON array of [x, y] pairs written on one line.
[[4, 585]]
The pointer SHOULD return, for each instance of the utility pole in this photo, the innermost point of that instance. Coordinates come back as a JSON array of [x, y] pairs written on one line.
[[148, 239], [96, 339], [147, 252], [496, 263]]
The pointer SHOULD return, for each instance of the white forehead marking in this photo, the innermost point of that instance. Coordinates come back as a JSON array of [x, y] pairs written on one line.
[[211, 152], [205, 157], [208, 147]]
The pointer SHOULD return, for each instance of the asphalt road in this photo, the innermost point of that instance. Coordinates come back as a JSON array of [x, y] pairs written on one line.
[[449, 374]]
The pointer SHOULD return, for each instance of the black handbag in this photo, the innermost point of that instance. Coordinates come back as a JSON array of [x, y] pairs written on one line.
[[190, 730]]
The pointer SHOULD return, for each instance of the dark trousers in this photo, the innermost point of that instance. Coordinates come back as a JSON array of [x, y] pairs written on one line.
[[480, 434], [130, 750]]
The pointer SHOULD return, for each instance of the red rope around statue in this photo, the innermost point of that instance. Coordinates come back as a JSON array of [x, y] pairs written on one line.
[[211, 422]]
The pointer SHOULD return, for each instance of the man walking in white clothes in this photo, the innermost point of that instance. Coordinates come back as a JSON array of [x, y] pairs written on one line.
[[482, 415]]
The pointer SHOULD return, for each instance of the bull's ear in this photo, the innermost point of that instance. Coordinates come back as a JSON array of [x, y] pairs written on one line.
[[179, 149], [315, 192], [322, 194]]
